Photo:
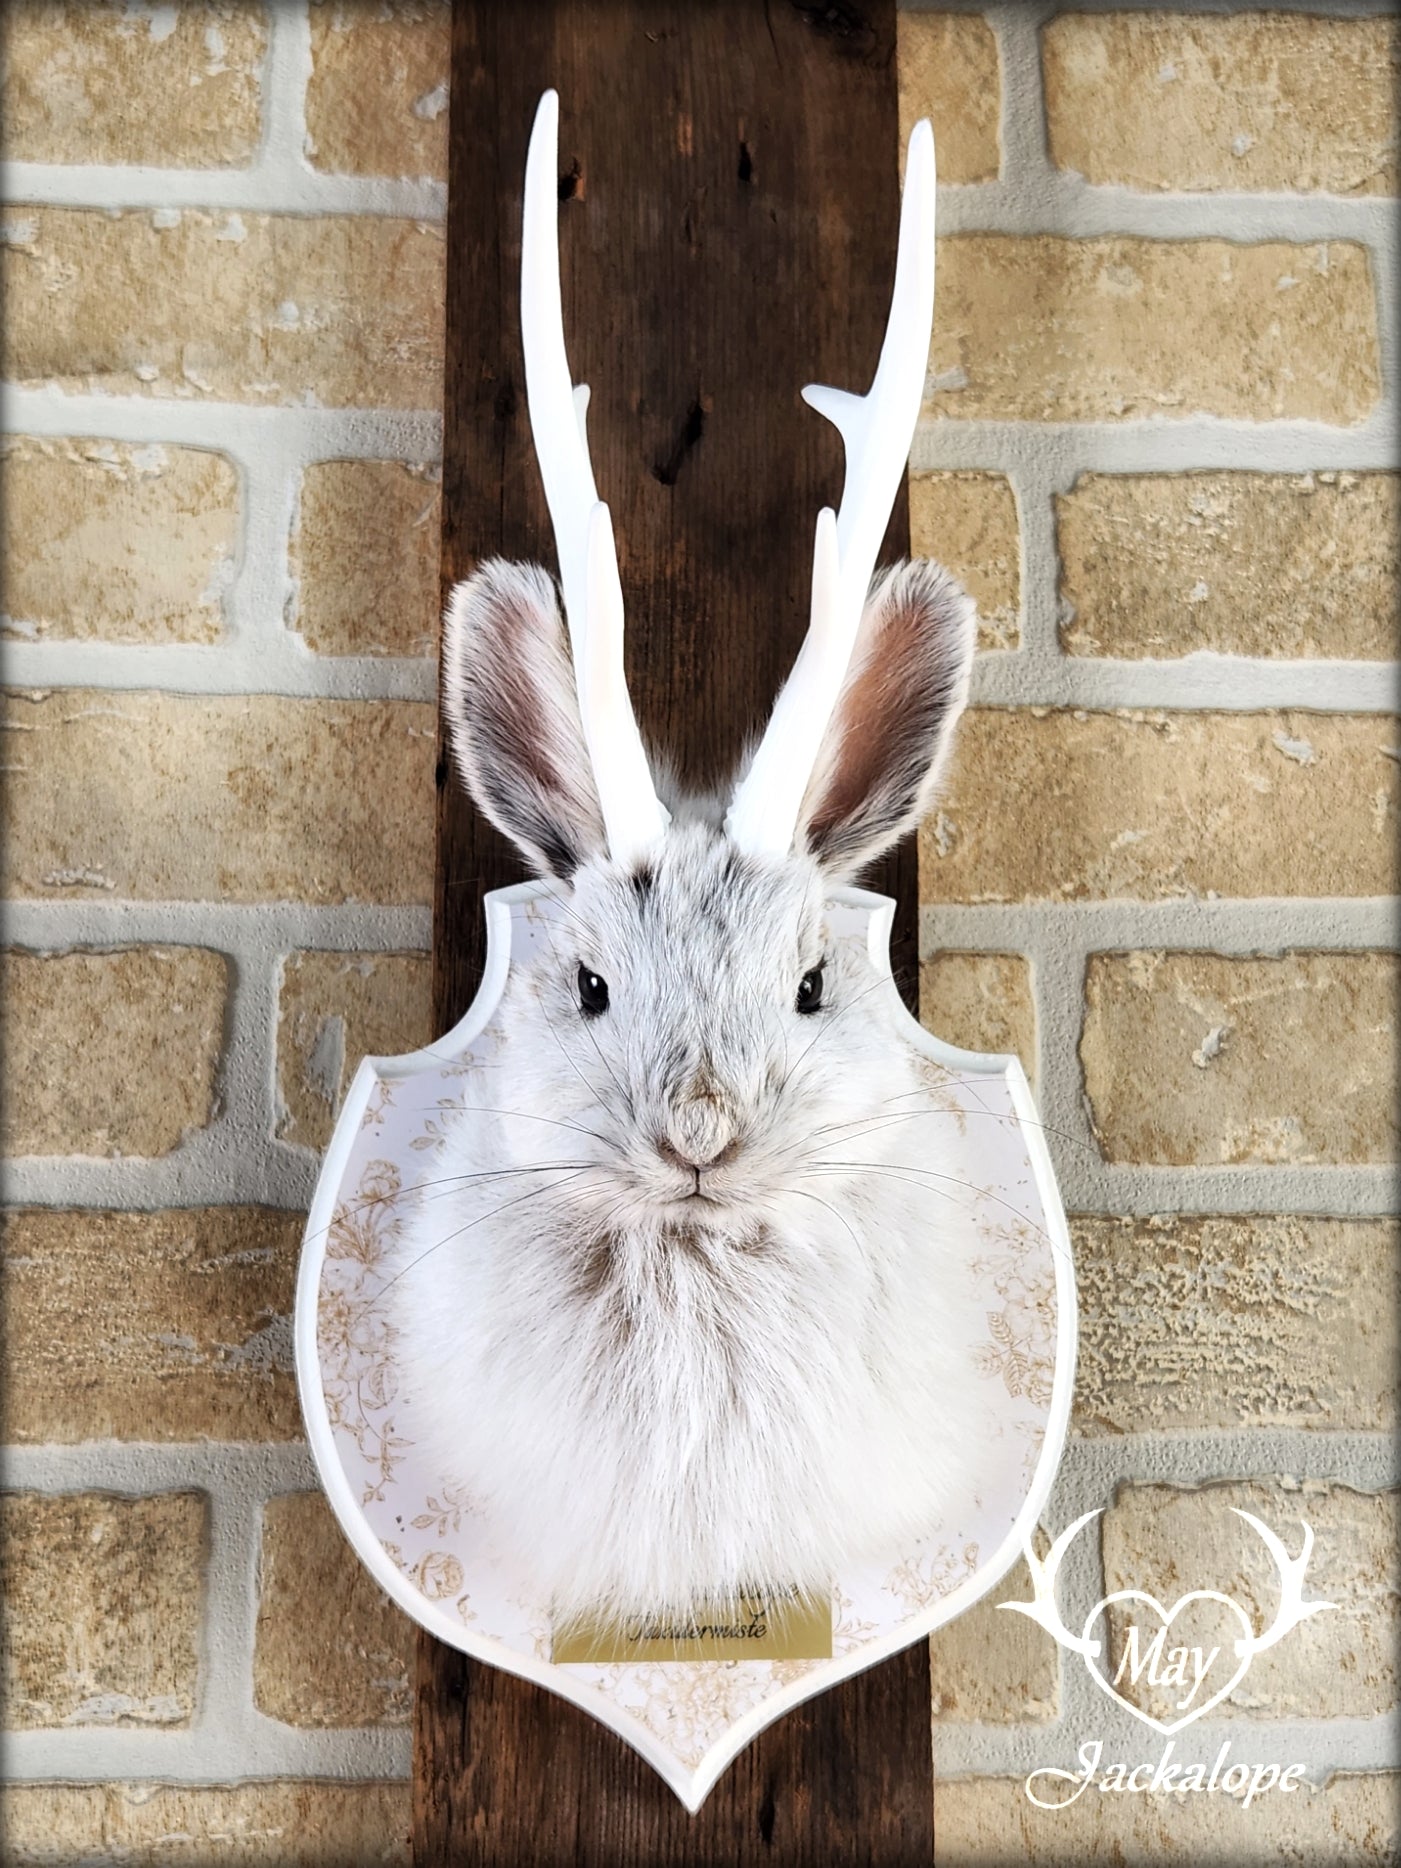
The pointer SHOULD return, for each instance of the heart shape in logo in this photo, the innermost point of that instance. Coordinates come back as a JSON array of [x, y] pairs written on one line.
[[1154, 1660]]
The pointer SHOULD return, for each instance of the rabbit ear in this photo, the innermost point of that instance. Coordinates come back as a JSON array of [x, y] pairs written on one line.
[[890, 731], [513, 716]]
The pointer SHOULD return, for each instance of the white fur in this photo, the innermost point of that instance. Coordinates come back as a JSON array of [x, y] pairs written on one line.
[[664, 1382]]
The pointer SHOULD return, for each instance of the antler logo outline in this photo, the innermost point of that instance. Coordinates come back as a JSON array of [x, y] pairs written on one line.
[[1292, 1609]]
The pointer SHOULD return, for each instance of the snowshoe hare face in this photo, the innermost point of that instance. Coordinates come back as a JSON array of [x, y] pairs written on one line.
[[696, 980]]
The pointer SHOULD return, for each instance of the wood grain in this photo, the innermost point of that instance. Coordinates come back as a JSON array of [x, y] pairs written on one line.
[[729, 191]]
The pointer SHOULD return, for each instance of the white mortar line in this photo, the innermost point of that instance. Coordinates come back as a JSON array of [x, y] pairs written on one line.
[[262, 189], [247, 930], [1133, 1191], [1037, 11], [1205, 681], [1155, 445], [1270, 925], [227, 1623], [226, 1749], [247, 432], [255, 1469], [286, 74], [1095, 1464], [262, 657], [1060, 204], [219, 1166], [1057, 982]]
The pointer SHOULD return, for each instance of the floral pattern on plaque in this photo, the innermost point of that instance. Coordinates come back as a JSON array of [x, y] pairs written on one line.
[[437, 1538]]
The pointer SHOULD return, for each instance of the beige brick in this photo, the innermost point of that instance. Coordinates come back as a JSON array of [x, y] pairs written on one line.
[[1055, 805], [345, 310], [102, 1597], [982, 1001], [175, 86], [167, 1326], [220, 798], [1298, 565], [365, 552], [119, 543], [988, 1822], [1194, 1058], [1169, 1539], [111, 1052], [1271, 100], [1230, 1323], [949, 72], [335, 1009], [992, 1668], [1046, 329], [377, 98], [281, 1823], [331, 1648], [968, 523]]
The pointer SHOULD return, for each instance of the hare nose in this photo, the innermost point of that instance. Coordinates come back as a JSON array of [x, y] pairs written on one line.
[[699, 1134]]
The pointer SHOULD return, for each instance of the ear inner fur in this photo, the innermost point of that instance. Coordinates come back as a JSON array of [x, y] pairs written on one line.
[[513, 719], [893, 723]]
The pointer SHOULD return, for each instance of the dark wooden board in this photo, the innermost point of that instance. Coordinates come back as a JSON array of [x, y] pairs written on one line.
[[729, 178]]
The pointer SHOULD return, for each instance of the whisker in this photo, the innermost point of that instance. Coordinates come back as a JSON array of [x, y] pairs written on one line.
[[910, 1171], [803, 1194], [525, 1115], [826, 1027], [344, 1211], [588, 1033], [544, 1167], [520, 1200], [878, 1123]]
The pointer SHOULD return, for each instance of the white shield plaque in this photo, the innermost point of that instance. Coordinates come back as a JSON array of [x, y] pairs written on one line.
[[434, 1553]]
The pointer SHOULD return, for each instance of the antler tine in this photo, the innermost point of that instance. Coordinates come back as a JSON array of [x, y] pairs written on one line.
[[876, 431], [633, 816], [1043, 1607]]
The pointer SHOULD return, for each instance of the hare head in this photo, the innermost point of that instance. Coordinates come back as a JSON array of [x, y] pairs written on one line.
[[698, 962]]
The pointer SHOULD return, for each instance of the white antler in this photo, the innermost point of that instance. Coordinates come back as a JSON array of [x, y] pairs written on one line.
[[633, 815], [1043, 1607], [876, 431], [1292, 1608]]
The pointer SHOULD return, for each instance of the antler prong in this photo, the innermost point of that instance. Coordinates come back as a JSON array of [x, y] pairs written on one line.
[[876, 431], [1043, 1607], [633, 816]]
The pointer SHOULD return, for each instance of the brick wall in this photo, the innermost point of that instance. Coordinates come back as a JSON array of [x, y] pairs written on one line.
[[1159, 446]]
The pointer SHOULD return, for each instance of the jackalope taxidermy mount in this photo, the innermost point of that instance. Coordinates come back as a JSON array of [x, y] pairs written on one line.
[[675, 1312]]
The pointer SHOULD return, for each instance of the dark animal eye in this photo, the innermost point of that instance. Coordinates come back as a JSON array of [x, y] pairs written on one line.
[[593, 992], [810, 990]]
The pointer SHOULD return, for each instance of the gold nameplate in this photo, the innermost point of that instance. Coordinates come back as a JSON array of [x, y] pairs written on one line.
[[772, 1624]]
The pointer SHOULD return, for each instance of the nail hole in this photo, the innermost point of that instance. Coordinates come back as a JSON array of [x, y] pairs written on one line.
[[838, 20], [692, 428], [767, 1813], [746, 163], [571, 183]]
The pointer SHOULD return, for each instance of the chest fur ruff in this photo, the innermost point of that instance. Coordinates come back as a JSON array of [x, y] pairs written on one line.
[[654, 1412]]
